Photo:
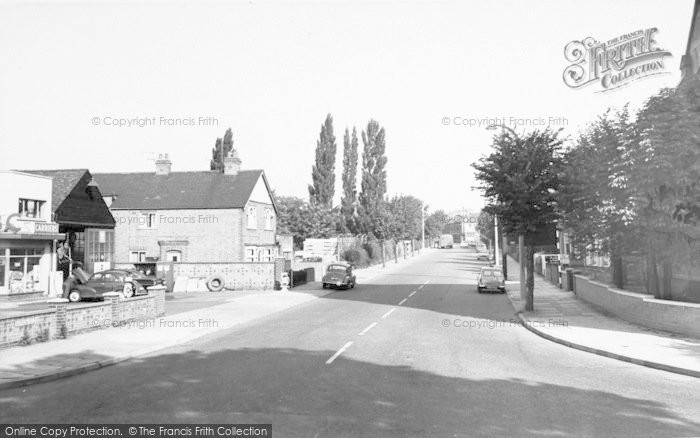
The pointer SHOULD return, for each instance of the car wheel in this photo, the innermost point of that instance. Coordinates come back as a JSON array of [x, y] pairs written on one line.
[[352, 286], [74, 296], [325, 286], [128, 290]]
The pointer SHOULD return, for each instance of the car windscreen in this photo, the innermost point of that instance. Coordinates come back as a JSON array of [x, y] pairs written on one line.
[[337, 268]]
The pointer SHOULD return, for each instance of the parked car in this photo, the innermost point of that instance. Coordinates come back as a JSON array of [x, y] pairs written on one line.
[[483, 257], [126, 282], [446, 241], [491, 280], [339, 275]]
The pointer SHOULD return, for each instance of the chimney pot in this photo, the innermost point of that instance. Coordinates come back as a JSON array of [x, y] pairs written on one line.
[[163, 165]]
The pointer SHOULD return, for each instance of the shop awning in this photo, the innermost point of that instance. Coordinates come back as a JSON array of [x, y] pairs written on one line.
[[21, 236]]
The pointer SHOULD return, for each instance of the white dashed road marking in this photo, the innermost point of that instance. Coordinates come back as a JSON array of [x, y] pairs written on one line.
[[388, 313], [368, 328], [412, 293], [338, 353], [402, 301]]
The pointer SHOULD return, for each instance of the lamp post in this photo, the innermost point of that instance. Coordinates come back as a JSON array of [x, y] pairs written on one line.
[[521, 237]]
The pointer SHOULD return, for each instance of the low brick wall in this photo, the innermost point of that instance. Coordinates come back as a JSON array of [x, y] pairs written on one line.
[[237, 276], [24, 329], [63, 320], [645, 310]]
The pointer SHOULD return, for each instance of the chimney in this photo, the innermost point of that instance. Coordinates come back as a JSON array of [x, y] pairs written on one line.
[[163, 164], [232, 164]]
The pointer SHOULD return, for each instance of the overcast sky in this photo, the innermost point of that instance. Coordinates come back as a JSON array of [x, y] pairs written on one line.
[[272, 71]]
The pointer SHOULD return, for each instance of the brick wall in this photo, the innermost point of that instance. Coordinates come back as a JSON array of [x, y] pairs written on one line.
[[202, 235], [673, 316], [237, 276], [28, 328], [44, 325]]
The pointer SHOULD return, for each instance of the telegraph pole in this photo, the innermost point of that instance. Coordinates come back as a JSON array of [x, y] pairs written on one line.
[[495, 239]]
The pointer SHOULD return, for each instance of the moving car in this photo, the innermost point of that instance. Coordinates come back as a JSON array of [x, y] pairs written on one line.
[[339, 275], [491, 280], [483, 257], [127, 282]]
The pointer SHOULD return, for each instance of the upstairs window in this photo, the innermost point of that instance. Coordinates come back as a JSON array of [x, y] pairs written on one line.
[[269, 219], [147, 221], [30, 208], [251, 218]]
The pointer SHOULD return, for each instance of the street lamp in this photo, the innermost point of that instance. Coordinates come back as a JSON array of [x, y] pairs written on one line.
[[521, 237]]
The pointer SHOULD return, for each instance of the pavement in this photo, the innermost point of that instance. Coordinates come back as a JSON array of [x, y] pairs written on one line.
[[561, 317], [189, 316]]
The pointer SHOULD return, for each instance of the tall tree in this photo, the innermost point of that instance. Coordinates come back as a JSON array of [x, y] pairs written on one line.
[[349, 200], [373, 177], [405, 211], [520, 180], [221, 149], [322, 189], [596, 199], [667, 177], [304, 220]]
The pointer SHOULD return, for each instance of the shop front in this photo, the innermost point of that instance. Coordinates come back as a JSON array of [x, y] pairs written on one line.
[[27, 260]]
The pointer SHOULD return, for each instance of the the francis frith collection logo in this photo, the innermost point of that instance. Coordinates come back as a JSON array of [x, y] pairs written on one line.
[[616, 62]]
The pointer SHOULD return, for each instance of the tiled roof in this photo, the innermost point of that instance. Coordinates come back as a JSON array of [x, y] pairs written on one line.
[[178, 190], [64, 181]]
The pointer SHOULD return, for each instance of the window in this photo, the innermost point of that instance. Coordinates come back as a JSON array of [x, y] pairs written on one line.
[[252, 218], [269, 219], [99, 245], [137, 256], [251, 254], [30, 208], [173, 255], [147, 221], [24, 269]]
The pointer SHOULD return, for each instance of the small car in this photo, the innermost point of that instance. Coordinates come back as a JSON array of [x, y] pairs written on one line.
[[126, 282], [491, 280], [339, 275], [483, 257]]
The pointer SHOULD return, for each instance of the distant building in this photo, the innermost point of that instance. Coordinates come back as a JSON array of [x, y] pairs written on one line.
[[197, 216]]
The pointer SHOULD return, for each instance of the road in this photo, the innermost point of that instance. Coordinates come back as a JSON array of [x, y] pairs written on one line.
[[415, 352]]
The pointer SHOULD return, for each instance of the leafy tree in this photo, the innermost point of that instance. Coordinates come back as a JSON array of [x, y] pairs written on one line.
[[373, 177], [322, 189], [596, 199], [520, 180], [435, 223], [304, 220], [221, 149], [405, 212], [349, 200], [667, 178]]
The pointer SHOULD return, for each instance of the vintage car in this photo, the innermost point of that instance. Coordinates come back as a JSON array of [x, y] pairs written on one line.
[[339, 275], [483, 257], [491, 280], [126, 282]]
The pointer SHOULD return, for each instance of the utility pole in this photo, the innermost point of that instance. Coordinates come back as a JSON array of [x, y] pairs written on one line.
[[521, 256], [504, 250], [422, 228], [495, 239]]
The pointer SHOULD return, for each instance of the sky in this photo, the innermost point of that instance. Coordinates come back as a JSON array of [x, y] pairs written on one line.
[[183, 72]]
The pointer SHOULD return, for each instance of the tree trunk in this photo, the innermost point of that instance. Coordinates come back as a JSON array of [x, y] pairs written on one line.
[[653, 274], [505, 258], [383, 247], [530, 283], [616, 266], [667, 272]]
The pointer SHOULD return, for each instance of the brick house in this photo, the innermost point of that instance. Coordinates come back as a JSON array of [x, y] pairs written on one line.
[[192, 217]]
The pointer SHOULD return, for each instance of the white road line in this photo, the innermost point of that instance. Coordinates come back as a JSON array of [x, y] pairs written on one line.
[[426, 282], [402, 301], [420, 287], [389, 312], [367, 329], [338, 353], [412, 293]]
